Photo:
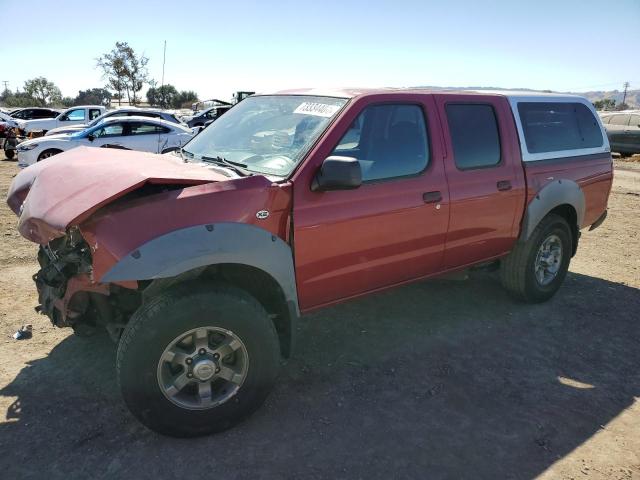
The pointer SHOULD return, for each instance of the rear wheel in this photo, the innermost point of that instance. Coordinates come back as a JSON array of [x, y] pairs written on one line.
[[197, 360], [48, 153], [535, 269]]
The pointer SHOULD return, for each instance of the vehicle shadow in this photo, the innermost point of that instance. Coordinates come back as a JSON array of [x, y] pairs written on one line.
[[438, 379]]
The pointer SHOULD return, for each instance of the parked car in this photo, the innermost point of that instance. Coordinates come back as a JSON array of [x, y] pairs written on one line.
[[200, 262], [623, 130], [71, 116], [6, 122], [7, 134], [120, 112], [131, 133], [202, 117], [34, 113]]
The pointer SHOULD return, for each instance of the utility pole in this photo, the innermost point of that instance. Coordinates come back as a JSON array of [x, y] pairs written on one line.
[[164, 58], [624, 95], [6, 82]]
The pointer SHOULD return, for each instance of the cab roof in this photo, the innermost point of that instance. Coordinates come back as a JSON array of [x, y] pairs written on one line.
[[350, 92]]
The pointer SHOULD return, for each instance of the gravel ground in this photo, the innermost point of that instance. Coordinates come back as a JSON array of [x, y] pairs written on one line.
[[439, 379]]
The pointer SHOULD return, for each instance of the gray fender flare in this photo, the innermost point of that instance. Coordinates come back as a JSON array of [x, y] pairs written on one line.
[[552, 195], [189, 248]]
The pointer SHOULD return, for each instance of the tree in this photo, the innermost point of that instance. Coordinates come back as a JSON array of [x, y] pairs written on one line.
[[605, 104], [42, 91], [19, 100], [124, 70], [163, 96], [93, 96], [185, 98], [622, 106], [5, 95], [68, 102]]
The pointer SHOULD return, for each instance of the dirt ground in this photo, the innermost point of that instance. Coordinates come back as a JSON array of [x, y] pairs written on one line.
[[440, 379]]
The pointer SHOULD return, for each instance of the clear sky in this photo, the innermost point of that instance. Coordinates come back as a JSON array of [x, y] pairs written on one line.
[[216, 47]]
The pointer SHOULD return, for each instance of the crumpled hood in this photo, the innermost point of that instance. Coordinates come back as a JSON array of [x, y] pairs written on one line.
[[64, 190]]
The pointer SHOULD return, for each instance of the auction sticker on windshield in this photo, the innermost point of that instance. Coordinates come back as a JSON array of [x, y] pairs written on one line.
[[317, 109]]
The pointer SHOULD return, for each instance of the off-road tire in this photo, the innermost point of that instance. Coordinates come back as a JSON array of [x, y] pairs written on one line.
[[153, 326], [517, 270]]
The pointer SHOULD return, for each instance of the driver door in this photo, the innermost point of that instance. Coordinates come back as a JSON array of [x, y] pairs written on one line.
[[110, 134], [389, 230]]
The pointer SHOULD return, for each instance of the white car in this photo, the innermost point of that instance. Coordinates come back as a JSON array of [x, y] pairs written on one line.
[[7, 120], [120, 112], [130, 133], [71, 116]]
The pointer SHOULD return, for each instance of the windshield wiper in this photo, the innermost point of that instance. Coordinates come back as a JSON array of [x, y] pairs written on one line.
[[185, 155], [240, 168]]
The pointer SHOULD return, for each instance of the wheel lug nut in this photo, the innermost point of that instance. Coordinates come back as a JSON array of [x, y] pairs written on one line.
[[189, 361], [216, 356], [217, 370], [202, 351], [189, 375]]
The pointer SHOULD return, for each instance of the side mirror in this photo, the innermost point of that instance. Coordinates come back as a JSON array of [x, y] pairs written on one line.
[[91, 137], [337, 173]]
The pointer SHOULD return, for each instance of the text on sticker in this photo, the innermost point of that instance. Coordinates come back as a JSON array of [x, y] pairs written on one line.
[[317, 109]]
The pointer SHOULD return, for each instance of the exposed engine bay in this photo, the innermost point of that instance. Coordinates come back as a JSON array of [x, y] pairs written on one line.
[[68, 295]]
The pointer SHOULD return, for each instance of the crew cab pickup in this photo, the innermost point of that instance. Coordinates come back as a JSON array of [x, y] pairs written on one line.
[[200, 262], [71, 116]]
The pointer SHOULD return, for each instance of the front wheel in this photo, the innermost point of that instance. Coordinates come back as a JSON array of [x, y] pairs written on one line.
[[197, 360], [535, 269], [48, 153], [9, 154]]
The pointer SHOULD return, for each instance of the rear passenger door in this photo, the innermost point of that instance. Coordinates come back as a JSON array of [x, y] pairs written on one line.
[[632, 134], [486, 179], [146, 137], [616, 131]]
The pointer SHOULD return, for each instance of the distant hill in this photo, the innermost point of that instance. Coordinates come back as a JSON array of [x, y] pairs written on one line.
[[633, 96]]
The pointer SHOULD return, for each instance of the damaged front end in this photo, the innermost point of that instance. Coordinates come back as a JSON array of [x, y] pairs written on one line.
[[68, 294]]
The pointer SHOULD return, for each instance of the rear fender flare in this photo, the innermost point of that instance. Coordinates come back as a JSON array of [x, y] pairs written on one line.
[[186, 249], [552, 195]]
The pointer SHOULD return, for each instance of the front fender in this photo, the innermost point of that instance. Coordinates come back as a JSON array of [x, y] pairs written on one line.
[[188, 248], [554, 194]]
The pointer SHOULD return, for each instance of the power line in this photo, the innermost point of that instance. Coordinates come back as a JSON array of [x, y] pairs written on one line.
[[611, 84]]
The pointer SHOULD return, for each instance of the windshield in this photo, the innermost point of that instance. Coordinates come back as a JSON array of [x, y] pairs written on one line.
[[266, 134]]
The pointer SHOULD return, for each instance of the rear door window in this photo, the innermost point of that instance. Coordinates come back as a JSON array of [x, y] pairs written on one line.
[[474, 135], [147, 129], [94, 113], [558, 126], [620, 120], [634, 121]]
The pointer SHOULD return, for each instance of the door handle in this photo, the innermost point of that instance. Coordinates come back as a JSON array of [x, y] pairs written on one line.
[[504, 185], [432, 197]]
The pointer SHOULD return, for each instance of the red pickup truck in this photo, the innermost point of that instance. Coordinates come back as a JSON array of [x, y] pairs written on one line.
[[200, 262]]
